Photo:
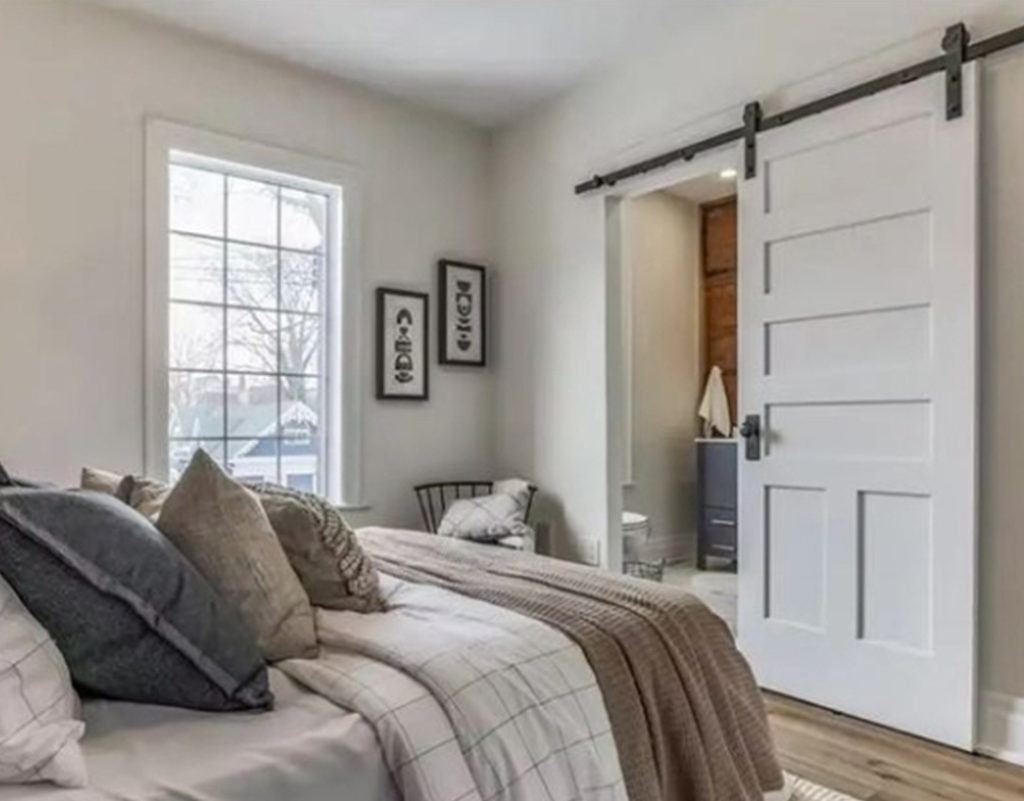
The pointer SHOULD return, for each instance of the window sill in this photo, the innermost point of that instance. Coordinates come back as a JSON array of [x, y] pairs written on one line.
[[357, 506]]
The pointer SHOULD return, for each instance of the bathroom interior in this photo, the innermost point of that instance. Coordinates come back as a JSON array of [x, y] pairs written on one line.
[[679, 248]]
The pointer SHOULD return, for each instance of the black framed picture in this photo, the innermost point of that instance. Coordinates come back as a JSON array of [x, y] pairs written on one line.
[[462, 294], [403, 369]]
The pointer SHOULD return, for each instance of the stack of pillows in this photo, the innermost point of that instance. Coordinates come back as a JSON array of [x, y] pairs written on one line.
[[133, 590]]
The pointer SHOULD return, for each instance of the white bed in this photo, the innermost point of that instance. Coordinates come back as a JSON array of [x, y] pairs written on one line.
[[441, 698], [307, 748]]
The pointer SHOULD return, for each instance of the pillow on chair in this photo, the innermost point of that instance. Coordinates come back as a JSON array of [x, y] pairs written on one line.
[[133, 619], [489, 518], [39, 729]]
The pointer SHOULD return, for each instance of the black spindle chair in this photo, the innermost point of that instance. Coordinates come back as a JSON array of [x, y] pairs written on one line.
[[435, 498]]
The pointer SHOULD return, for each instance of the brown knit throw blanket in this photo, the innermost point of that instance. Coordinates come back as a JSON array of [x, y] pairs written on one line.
[[688, 719]]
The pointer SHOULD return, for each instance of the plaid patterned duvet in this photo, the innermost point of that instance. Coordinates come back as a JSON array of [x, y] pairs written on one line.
[[471, 702]]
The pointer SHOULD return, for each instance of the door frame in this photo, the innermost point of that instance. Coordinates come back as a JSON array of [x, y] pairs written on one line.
[[617, 404]]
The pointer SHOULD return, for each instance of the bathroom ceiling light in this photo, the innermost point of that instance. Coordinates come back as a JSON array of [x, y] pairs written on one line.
[[727, 174]]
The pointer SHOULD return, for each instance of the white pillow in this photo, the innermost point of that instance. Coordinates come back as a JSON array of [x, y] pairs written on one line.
[[488, 518], [39, 730]]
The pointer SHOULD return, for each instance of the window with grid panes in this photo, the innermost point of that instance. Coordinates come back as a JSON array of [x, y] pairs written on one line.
[[246, 381]]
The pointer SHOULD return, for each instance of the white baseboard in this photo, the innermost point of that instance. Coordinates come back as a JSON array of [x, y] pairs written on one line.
[[1001, 727]]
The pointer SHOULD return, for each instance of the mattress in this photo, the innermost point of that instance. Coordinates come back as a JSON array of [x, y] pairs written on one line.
[[307, 749]]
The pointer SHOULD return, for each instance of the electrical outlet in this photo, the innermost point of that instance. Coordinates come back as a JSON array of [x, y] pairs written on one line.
[[588, 550]]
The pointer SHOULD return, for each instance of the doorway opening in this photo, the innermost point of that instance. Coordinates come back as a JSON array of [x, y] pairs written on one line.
[[679, 262]]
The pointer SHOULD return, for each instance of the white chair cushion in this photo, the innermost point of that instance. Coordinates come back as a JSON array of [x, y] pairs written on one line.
[[489, 518]]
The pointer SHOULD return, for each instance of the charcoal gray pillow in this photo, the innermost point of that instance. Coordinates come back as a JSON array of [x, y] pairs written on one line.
[[7, 480], [133, 619]]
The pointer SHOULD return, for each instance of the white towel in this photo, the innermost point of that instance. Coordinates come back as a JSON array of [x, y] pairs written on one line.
[[714, 408]]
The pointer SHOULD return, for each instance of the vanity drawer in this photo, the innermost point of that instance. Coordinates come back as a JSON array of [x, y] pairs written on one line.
[[716, 473], [718, 531]]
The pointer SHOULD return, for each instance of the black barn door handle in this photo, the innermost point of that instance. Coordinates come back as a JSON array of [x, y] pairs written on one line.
[[751, 432]]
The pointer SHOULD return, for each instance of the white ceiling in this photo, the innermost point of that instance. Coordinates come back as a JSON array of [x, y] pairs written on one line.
[[484, 60], [705, 188]]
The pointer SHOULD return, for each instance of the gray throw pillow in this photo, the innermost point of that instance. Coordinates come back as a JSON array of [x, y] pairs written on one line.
[[133, 619], [7, 480], [220, 527], [322, 549]]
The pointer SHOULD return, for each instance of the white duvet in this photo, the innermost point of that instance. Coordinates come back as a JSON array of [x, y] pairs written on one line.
[[470, 702], [307, 749]]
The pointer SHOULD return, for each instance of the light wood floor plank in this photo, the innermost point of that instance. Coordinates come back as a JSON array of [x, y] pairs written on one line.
[[877, 764]]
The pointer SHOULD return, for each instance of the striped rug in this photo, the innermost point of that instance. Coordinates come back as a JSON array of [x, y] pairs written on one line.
[[804, 790]]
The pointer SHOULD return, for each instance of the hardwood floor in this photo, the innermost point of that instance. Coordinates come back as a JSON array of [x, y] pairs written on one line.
[[868, 762], [877, 764]]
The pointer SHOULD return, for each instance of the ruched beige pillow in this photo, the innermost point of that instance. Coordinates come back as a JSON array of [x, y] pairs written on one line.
[[221, 528], [322, 548]]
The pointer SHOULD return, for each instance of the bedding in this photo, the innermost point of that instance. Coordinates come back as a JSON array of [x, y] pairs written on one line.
[[39, 726], [687, 716], [221, 528], [470, 701], [307, 749], [492, 675], [132, 618]]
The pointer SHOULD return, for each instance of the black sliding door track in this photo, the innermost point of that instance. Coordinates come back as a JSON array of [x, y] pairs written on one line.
[[956, 52]]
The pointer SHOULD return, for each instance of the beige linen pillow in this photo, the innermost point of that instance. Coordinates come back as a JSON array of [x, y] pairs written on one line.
[[221, 528], [100, 481], [324, 551], [145, 495]]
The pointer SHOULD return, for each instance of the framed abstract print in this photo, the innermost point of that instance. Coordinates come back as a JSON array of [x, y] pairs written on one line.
[[403, 370], [462, 294]]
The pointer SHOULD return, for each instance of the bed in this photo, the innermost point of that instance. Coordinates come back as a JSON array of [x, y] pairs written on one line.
[[492, 676], [305, 750]]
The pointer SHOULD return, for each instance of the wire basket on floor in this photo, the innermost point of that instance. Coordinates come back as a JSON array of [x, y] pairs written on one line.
[[652, 571]]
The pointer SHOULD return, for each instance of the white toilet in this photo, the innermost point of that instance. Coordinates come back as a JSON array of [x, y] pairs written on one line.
[[636, 530]]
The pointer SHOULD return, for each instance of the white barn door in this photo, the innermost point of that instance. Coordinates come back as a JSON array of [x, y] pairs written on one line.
[[858, 315]]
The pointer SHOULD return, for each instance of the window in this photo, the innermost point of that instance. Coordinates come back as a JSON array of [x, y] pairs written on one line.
[[246, 322], [248, 291]]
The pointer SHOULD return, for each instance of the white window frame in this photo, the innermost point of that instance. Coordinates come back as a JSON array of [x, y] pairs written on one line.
[[167, 141]]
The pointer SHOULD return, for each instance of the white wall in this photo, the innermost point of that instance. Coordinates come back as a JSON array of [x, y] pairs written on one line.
[[76, 86], [662, 241], [550, 245]]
